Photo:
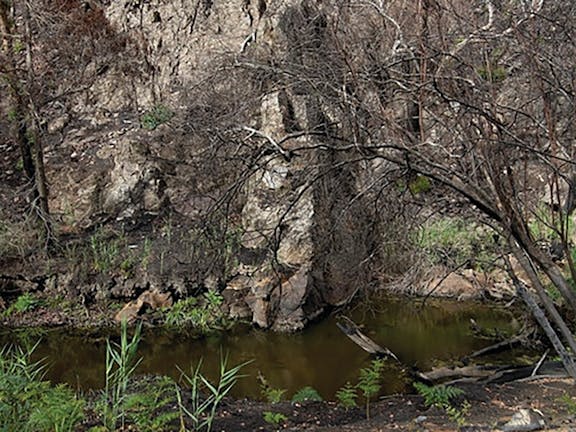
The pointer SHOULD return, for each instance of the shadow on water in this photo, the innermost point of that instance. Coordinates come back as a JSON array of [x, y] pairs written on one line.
[[321, 356]]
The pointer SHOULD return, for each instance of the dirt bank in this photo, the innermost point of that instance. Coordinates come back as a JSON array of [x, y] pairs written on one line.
[[490, 408]]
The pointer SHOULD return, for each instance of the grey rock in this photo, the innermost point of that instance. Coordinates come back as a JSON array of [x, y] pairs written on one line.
[[525, 420]]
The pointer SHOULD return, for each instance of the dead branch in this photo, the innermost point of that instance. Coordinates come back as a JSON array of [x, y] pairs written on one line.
[[353, 332]]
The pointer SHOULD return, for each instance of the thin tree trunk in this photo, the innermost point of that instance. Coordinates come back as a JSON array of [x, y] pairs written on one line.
[[544, 298], [544, 262], [567, 360], [24, 131]]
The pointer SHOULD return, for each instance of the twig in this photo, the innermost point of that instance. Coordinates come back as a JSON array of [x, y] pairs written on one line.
[[270, 140], [540, 363]]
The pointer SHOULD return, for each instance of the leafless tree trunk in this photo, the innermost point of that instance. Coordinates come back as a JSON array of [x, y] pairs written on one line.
[[23, 112]]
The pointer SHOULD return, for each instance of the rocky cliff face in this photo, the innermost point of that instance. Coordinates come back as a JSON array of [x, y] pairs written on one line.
[[293, 215]]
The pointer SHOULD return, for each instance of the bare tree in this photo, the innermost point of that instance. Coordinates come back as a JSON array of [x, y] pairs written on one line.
[[478, 96], [50, 52], [23, 111]]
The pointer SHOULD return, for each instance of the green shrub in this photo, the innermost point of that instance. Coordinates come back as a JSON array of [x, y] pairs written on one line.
[[150, 409], [569, 402], [58, 410], [105, 252], [443, 397], [420, 184], [274, 418], [545, 225], [24, 303], [270, 394], [370, 381], [495, 74], [347, 396], [158, 115], [455, 242], [307, 394], [27, 403], [274, 395], [438, 396], [202, 313]]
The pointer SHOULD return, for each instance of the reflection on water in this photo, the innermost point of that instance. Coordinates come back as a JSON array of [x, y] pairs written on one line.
[[321, 356]]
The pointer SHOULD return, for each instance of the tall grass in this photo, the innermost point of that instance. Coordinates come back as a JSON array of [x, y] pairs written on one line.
[[205, 396], [121, 363]]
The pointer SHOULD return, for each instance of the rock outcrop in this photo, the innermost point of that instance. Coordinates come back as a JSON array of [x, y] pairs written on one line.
[[156, 202]]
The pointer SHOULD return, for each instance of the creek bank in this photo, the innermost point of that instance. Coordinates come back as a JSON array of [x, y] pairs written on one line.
[[492, 407], [102, 300]]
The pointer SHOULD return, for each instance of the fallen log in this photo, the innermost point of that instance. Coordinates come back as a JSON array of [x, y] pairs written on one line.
[[550, 368], [352, 330], [498, 347], [488, 374], [445, 373]]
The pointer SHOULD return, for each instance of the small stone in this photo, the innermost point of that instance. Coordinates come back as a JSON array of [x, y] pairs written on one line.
[[525, 420], [420, 419]]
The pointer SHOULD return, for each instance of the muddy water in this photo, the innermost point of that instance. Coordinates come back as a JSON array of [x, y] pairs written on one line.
[[321, 356]]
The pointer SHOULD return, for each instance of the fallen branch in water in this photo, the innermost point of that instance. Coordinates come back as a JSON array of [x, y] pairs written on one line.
[[498, 347], [352, 330]]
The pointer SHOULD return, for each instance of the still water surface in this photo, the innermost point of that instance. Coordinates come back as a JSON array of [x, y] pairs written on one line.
[[321, 356]]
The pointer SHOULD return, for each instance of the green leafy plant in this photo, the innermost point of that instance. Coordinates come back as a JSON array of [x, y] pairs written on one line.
[[150, 409], [121, 363], [158, 115], [24, 303], [274, 395], [179, 313], [18, 46], [205, 396], [443, 397], [569, 402], [455, 242], [232, 242], [420, 184], [19, 386], [307, 394], [347, 396], [12, 116], [546, 225], [58, 409], [29, 404], [202, 313], [494, 74], [459, 414], [370, 381], [105, 252], [274, 418], [438, 396], [271, 395], [16, 237]]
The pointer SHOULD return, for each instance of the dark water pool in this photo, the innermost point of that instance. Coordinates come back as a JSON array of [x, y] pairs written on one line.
[[321, 356]]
